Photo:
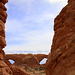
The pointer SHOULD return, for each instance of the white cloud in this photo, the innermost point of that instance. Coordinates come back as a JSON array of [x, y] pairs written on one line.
[[36, 43], [20, 1], [37, 40], [13, 25], [40, 18], [55, 1], [60, 2]]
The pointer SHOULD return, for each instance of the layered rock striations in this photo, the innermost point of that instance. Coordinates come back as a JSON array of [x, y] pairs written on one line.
[[28, 59], [4, 69], [61, 61]]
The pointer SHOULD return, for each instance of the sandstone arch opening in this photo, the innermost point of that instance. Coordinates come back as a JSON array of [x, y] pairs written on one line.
[[43, 61], [11, 61]]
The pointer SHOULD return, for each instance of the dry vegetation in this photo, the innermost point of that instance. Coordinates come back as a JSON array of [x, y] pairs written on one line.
[[36, 71]]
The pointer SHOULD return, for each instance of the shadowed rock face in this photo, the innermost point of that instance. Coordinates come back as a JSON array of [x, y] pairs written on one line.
[[4, 1], [29, 59], [61, 61], [70, 1]]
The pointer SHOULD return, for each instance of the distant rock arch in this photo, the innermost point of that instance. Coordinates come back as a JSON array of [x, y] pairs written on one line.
[[23, 58]]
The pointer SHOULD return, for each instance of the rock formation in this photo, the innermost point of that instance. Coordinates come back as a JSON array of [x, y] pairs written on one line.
[[61, 61], [28, 59], [40, 57], [5, 69]]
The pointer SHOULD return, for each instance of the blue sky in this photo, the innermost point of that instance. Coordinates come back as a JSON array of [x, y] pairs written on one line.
[[29, 27]]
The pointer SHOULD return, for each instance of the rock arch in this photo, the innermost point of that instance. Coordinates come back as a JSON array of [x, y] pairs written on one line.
[[20, 58], [40, 56]]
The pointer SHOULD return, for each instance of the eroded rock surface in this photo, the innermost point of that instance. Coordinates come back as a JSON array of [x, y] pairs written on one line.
[[40, 57], [6, 69], [28, 59], [61, 61]]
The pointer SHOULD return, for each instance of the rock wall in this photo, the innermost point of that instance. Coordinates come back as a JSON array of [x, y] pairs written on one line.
[[61, 61], [5, 69]]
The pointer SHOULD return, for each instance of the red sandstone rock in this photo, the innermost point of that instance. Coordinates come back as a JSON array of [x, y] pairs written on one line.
[[2, 18], [70, 1], [61, 61], [4, 69], [2, 41], [2, 6], [3, 13], [18, 71], [7, 62], [2, 55], [26, 59], [30, 60], [40, 57], [2, 29], [4, 1]]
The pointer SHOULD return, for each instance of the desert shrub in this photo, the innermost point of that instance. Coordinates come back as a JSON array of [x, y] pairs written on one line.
[[33, 72], [30, 70], [26, 69], [36, 68], [41, 68], [42, 72]]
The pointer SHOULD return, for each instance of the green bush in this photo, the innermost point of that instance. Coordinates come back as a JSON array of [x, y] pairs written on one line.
[[26, 69], [30, 70], [36, 69], [42, 72], [33, 72], [41, 68]]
